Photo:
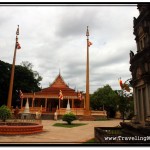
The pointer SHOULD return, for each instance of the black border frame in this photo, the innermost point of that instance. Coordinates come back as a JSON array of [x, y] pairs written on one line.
[[28, 4]]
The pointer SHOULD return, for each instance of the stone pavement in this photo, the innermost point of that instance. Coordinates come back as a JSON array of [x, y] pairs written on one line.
[[59, 135]]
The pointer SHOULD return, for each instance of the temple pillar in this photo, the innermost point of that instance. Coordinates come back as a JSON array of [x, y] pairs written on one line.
[[135, 100], [45, 103], [147, 98], [39, 104], [21, 102], [72, 103], [139, 103], [142, 106], [84, 102], [32, 102], [59, 103]]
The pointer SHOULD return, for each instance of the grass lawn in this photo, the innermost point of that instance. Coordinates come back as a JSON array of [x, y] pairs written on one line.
[[90, 141], [65, 125]]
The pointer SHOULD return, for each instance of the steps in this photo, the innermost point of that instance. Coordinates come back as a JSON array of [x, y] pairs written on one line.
[[87, 118]]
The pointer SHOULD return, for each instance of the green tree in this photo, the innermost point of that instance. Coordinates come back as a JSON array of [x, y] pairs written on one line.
[[25, 79], [5, 113], [35, 74], [27, 65], [5, 69], [125, 104], [69, 117], [105, 98]]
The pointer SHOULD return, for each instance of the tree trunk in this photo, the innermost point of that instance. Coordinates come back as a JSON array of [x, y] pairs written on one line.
[[69, 122]]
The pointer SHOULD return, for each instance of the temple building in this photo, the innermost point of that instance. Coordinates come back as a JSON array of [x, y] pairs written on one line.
[[140, 64], [48, 100]]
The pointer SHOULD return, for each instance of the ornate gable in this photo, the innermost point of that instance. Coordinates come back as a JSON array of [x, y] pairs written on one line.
[[59, 82]]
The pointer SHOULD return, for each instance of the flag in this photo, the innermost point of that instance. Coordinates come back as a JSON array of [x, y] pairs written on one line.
[[89, 43], [124, 86], [60, 95], [18, 45], [80, 95], [120, 83], [20, 94]]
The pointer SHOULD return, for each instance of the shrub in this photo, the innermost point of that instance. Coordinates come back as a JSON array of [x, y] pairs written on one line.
[[5, 113], [69, 117]]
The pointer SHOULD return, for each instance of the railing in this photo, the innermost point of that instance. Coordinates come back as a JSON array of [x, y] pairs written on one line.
[[76, 111], [34, 109], [80, 111], [99, 113], [33, 118], [62, 111]]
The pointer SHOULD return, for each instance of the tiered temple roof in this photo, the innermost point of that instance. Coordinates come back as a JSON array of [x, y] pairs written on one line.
[[56, 86]]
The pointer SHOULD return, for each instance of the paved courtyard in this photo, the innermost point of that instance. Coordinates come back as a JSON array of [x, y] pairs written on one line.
[[53, 135]]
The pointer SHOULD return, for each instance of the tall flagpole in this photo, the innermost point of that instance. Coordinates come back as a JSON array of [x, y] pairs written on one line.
[[87, 105], [9, 101]]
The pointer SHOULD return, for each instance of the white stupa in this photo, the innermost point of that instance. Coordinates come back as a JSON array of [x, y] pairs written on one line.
[[68, 110], [26, 110]]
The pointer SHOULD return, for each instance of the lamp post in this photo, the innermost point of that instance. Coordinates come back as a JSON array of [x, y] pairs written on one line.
[[9, 101]]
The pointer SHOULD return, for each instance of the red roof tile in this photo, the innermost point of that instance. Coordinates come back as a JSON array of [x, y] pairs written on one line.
[[56, 86]]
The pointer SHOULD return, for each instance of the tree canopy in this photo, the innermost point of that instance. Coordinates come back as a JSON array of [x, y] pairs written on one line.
[[125, 104], [25, 79], [112, 101], [105, 98]]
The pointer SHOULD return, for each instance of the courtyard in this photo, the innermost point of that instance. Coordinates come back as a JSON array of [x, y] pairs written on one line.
[[60, 135]]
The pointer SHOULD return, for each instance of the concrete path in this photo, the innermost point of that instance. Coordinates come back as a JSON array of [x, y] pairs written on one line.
[[53, 135]]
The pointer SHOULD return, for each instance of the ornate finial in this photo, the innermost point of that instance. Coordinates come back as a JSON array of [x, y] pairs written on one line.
[[59, 71], [87, 32], [17, 32]]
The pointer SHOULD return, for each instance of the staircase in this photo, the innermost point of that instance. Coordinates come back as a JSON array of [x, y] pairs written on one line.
[[87, 118]]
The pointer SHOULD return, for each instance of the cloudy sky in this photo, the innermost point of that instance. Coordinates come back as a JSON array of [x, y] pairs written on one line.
[[53, 38]]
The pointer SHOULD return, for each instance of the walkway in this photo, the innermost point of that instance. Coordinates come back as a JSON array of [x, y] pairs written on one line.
[[53, 135]]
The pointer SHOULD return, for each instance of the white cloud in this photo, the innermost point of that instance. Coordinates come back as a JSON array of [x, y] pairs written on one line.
[[54, 38]]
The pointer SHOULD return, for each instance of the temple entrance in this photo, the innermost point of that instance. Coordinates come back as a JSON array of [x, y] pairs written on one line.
[[78, 104], [52, 105]]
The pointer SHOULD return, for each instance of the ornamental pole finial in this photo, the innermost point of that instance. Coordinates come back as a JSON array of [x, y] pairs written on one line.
[[87, 32], [17, 32]]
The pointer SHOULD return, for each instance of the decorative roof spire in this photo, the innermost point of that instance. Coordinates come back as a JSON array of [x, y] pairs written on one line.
[[59, 71], [17, 32], [87, 32]]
